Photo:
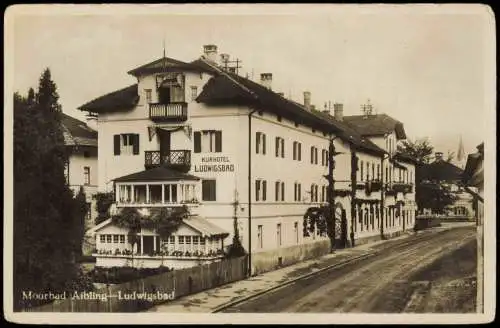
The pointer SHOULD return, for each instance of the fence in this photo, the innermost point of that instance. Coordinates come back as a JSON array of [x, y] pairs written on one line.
[[143, 293]]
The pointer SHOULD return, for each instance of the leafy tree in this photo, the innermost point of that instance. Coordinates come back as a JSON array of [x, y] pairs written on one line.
[[421, 149], [434, 196], [45, 226], [104, 200]]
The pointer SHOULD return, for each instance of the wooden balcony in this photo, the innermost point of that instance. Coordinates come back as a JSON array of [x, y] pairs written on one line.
[[174, 112], [176, 159]]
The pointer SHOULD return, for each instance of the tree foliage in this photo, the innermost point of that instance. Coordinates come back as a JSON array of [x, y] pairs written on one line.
[[164, 221], [104, 200], [421, 149], [434, 196], [47, 219]]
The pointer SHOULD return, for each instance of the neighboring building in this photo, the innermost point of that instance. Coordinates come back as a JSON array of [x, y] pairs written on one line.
[[450, 176], [238, 155], [81, 168], [397, 170], [473, 176]]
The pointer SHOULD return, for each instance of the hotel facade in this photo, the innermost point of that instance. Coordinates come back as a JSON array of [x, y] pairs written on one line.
[[242, 159]]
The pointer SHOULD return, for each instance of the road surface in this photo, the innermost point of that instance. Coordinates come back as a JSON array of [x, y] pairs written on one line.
[[424, 273]]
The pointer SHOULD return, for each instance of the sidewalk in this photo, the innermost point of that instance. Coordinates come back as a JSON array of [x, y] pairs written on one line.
[[213, 299]]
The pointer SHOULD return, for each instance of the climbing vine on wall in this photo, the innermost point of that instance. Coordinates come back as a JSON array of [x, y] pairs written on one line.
[[315, 217], [164, 221], [104, 200]]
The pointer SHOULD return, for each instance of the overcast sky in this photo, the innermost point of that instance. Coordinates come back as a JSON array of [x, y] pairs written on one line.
[[429, 67]]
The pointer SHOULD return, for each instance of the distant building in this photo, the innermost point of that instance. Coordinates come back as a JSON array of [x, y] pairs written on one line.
[[473, 176], [450, 176], [398, 170], [81, 168]]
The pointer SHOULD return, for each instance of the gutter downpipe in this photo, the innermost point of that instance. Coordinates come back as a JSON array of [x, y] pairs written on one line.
[[250, 191]]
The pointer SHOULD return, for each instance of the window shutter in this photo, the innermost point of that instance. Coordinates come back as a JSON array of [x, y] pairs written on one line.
[[264, 188], [300, 151], [263, 143], [257, 189], [282, 191], [276, 190], [257, 142], [277, 146], [116, 142], [197, 142], [312, 155], [135, 146], [283, 148], [218, 141], [294, 150]]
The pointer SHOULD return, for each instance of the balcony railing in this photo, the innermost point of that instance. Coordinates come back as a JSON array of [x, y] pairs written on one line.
[[175, 111], [177, 159], [403, 187]]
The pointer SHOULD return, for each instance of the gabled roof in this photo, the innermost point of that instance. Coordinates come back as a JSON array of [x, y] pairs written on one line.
[[116, 101], [159, 65], [441, 171], [405, 158], [77, 133], [229, 88], [375, 125], [159, 173], [202, 225]]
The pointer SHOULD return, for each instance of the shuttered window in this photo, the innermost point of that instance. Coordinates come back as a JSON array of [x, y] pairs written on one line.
[[208, 141], [126, 144], [209, 190]]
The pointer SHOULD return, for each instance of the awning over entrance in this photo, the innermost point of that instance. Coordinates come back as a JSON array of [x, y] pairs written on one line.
[[160, 173], [206, 228]]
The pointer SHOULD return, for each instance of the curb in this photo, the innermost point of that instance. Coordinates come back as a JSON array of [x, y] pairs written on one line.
[[307, 275]]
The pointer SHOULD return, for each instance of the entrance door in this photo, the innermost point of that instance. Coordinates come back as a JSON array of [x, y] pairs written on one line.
[[164, 95], [148, 244]]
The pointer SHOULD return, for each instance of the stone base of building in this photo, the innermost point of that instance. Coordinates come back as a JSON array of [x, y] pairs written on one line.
[[274, 259], [374, 238]]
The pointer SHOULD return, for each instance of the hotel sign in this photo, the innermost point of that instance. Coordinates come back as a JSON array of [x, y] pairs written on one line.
[[214, 164]]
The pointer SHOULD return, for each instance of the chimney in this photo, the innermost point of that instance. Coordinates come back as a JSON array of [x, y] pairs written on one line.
[[307, 100], [266, 80], [210, 51], [438, 156], [338, 111], [91, 120], [224, 58]]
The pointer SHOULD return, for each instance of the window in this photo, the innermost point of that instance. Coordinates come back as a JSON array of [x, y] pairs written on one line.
[[314, 155], [102, 238], [260, 143], [126, 144], [181, 240], [280, 147], [324, 157], [86, 175], [207, 141], [66, 172], [297, 151], [278, 233], [208, 190], [147, 92], [122, 239], [109, 238], [279, 194], [296, 231], [323, 194], [194, 92], [373, 171], [260, 189], [259, 236], [297, 193], [367, 171], [314, 193], [115, 239], [88, 215]]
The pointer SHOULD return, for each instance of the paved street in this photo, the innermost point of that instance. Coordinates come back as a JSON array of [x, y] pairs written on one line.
[[428, 273], [384, 276]]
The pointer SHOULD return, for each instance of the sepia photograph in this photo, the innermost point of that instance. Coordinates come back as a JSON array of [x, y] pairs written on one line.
[[255, 163]]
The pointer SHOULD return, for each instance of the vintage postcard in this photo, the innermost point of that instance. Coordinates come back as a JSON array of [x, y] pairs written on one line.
[[255, 163]]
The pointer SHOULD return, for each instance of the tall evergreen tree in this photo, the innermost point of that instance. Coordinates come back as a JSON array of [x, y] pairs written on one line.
[[46, 223]]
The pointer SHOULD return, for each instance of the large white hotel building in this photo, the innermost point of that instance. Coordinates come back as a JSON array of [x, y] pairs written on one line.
[[240, 156]]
